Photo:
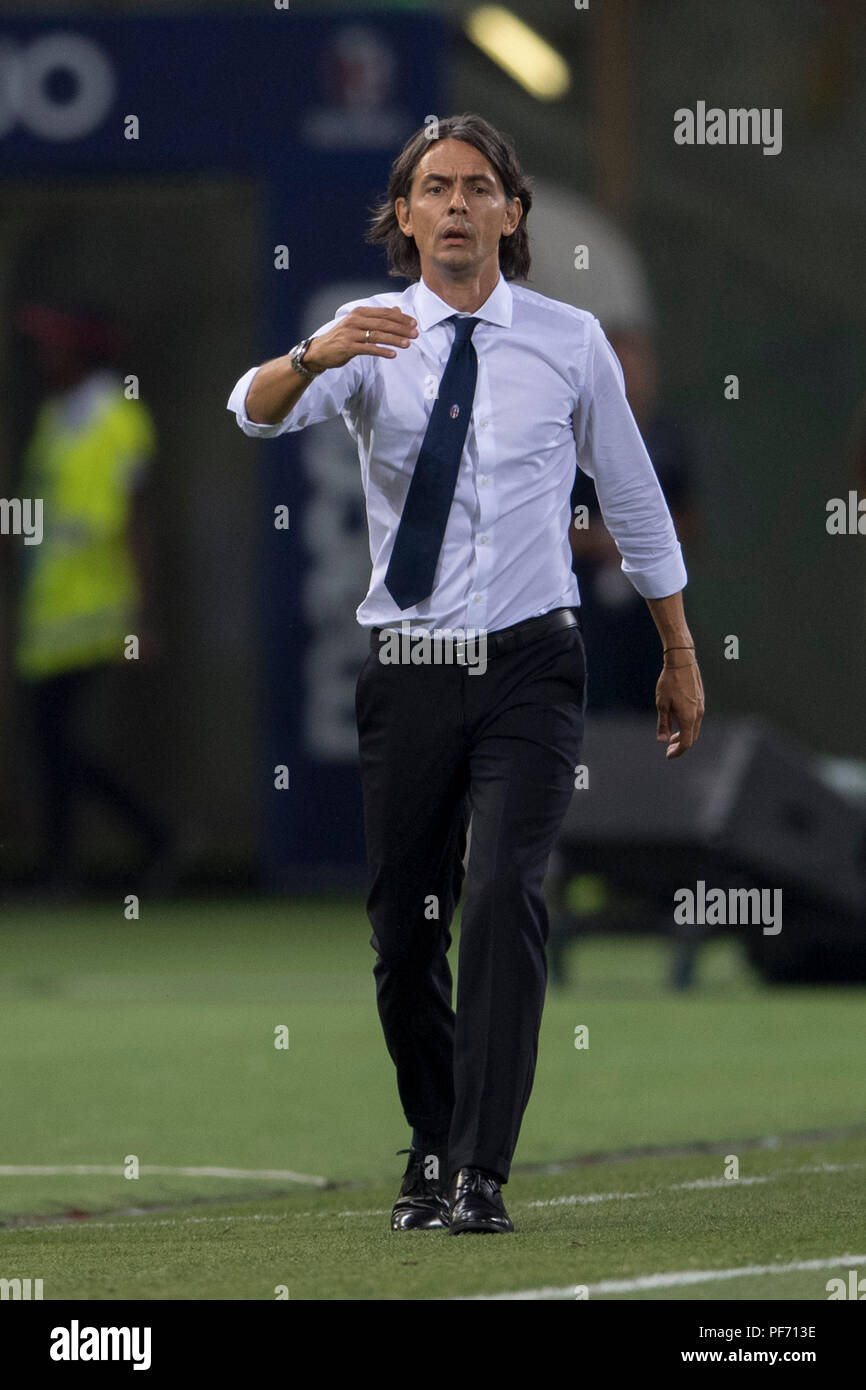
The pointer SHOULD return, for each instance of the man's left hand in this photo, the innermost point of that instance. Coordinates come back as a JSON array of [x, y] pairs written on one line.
[[680, 701]]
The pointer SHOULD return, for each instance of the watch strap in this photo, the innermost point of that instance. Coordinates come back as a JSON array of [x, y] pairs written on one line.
[[296, 355]]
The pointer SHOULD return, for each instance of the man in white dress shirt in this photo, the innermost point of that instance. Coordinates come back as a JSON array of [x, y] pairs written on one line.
[[478, 548]]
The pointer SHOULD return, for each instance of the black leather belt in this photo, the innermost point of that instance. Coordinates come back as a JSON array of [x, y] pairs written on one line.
[[508, 639]]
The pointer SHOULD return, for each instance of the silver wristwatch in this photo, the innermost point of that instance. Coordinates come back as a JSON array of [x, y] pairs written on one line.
[[296, 358]]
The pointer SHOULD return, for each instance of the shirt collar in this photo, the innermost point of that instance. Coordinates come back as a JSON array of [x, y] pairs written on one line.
[[429, 309]]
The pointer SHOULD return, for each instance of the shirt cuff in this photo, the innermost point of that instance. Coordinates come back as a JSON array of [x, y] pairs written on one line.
[[661, 580], [237, 402]]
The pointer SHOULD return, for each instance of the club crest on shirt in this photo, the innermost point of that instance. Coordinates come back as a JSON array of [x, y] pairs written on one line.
[[454, 412]]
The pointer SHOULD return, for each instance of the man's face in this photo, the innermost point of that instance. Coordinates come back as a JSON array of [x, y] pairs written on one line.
[[456, 190]]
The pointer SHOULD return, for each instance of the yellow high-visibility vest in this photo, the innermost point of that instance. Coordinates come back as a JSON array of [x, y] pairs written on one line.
[[80, 596]]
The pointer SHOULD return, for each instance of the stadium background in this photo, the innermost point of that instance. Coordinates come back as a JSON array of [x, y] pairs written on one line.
[[262, 127]]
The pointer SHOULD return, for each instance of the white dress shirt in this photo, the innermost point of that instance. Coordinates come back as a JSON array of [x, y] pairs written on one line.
[[550, 393]]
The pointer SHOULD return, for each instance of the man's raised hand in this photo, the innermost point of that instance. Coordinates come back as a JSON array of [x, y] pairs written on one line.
[[389, 329]]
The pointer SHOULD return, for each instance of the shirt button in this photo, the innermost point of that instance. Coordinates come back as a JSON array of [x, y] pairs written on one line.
[[482, 540], [484, 424], [483, 481], [476, 598]]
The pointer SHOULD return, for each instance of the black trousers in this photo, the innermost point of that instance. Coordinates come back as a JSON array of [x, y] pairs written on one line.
[[439, 744]]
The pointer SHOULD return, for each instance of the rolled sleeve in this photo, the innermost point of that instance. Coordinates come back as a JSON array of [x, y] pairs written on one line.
[[610, 450], [329, 394], [237, 402]]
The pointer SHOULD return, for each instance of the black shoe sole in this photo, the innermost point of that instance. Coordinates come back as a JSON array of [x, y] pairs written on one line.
[[481, 1230]]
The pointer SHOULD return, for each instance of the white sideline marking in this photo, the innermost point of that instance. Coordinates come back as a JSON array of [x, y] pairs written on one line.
[[664, 1281], [114, 1170], [606, 1286], [585, 1198], [9, 1170], [72, 1225], [718, 1182], [582, 1199]]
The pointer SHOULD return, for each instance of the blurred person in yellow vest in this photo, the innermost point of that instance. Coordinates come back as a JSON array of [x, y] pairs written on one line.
[[86, 587]]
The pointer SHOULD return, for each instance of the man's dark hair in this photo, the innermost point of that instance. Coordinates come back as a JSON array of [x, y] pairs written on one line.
[[498, 149]]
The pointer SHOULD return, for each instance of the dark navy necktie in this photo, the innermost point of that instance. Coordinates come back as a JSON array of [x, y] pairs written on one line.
[[411, 569]]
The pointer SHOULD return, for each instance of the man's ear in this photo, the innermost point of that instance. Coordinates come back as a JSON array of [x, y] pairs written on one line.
[[401, 212], [512, 203]]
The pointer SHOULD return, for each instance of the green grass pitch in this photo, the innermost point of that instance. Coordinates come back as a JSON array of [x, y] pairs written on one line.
[[153, 1041]]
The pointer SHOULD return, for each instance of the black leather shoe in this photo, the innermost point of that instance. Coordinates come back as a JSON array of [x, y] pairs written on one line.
[[422, 1203], [476, 1203]]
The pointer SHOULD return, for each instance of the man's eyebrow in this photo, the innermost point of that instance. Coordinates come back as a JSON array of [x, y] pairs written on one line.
[[445, 178]]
